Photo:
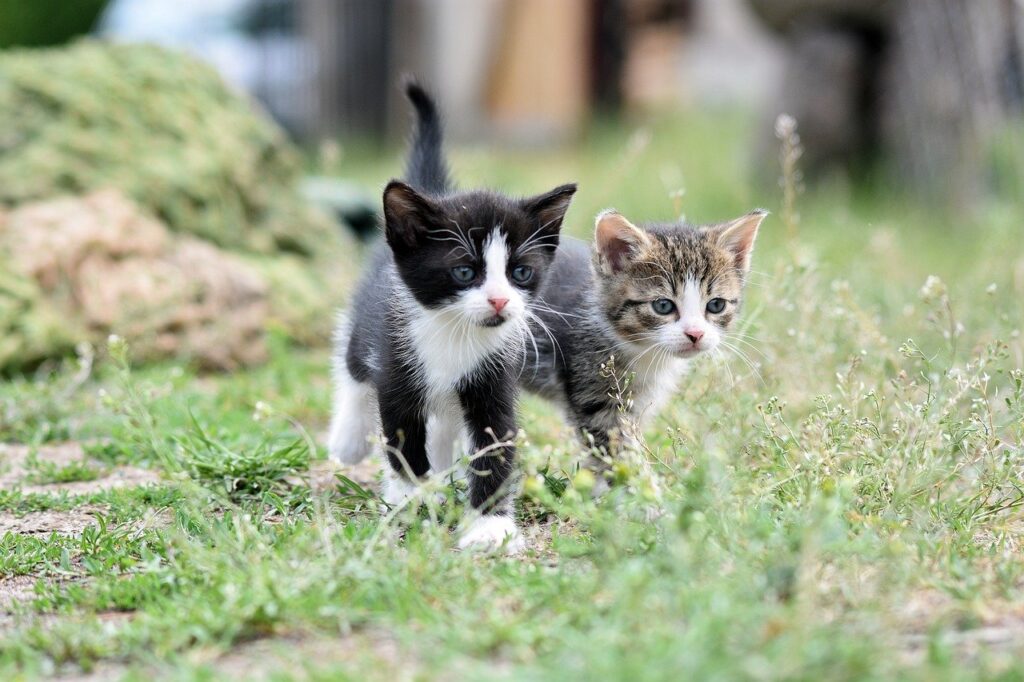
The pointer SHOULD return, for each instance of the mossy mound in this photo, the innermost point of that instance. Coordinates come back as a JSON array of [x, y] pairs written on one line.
[[139, 195], [161, 127]]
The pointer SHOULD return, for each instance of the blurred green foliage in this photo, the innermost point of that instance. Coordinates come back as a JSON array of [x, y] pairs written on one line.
[[38, 23]]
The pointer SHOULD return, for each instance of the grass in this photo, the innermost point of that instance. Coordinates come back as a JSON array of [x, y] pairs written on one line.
[[44, 473], [843, 503]]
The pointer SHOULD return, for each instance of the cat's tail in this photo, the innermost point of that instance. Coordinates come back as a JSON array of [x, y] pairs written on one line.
[[426, 169]]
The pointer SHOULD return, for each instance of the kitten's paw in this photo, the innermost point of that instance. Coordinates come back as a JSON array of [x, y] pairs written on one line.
[[396, 489], [492, 532]]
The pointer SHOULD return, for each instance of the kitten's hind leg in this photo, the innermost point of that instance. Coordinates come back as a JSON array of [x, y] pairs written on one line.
[[354, 421]]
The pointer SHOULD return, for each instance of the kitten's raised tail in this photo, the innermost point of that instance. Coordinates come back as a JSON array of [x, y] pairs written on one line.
[[426, 170]]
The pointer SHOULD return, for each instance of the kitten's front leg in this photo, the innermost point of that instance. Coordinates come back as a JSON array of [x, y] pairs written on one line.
[[489, 404], [603, 429], [405, 434]]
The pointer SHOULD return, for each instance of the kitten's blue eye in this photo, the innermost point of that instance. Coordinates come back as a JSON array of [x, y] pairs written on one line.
[[463, 274], [663, 306], [716, 305], [522, 274]]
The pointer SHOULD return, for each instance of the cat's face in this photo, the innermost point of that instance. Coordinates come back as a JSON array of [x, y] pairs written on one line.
[[674, 287], [479, 256]]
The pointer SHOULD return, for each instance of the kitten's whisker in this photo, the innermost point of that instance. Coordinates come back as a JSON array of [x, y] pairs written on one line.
[[456, 248], [556, 347], [479, 227], [720, 356], [646, 336], [536, 247], [533, 237], [451, 237], [742, 335], [440, 329], [544, 308], [459, 236], [742, 356], [638, 357], [746, 343], [526, 331], [658, 358]]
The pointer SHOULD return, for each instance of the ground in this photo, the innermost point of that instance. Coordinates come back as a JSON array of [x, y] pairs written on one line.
[[839, 498]]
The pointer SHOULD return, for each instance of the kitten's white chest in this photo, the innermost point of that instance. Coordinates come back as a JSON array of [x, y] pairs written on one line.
[[448, 349], [654, 382]]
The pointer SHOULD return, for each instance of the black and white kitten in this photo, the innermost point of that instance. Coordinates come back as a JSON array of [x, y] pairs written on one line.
[[434, 341], [653, 297]]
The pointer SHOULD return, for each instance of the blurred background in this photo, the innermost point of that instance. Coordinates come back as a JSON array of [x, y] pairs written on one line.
[[142, 193]]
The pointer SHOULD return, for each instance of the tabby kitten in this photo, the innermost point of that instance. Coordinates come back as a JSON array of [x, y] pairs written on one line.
[[653, 296], [435, 338]]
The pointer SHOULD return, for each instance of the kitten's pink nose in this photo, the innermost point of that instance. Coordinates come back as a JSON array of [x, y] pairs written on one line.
[[498, 303], [694, 335]]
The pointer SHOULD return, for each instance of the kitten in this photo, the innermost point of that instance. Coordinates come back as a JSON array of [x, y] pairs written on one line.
[[435, 338], [654, 297]]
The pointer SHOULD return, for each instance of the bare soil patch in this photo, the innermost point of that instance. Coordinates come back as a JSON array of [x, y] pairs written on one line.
[[15, 470], [1000, 632], [71, 522], [18, 589], [299, 654], [15, 589], [322, 475]]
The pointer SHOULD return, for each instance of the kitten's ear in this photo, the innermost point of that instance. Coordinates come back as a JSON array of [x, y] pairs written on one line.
[[407, 215], [549, 210], [737, 236], [617, 240]]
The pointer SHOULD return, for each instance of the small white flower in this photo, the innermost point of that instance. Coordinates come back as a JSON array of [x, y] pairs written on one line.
[[840, 286], [261, 411], [785, 126], [933, 288]]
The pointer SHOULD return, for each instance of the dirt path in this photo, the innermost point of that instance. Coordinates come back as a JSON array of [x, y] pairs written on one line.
[[16, 469], [18, 464]]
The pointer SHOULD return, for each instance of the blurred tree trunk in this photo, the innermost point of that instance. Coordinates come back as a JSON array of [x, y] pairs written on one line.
[[927, 84], [608, 54], [352, 43], [941, 92]]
